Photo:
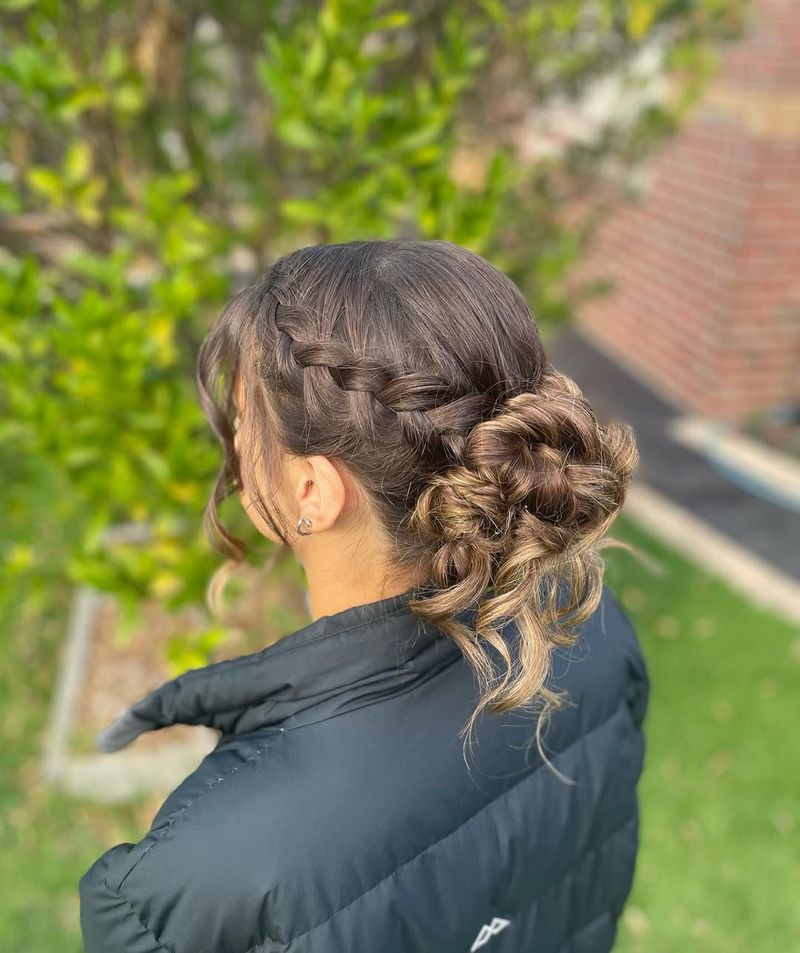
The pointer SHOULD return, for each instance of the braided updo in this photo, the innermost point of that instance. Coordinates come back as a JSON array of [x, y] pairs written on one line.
[[419, 366]]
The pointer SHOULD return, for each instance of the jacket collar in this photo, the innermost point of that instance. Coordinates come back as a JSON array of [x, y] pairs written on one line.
[[334, 664]]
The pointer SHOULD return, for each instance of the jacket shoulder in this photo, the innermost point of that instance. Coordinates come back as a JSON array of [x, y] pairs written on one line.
[[169, 891]]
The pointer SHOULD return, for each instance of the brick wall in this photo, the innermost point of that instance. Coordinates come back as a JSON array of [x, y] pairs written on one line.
[[706, 266]]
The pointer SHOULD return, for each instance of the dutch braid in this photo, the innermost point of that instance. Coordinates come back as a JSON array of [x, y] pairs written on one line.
[[426, 407]]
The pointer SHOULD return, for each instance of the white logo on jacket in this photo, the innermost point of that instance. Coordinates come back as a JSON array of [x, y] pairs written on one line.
[[487, 931]]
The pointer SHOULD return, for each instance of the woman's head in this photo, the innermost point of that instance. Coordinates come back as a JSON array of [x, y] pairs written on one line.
[[399, 394]]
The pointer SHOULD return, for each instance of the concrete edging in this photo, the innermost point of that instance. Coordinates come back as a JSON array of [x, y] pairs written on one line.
[[716, 553], [759, 469]]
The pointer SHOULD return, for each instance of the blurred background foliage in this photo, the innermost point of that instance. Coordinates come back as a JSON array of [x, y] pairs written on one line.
[[156, 156]]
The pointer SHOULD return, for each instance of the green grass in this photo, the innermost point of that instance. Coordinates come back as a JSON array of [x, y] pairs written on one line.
[[719, 863]]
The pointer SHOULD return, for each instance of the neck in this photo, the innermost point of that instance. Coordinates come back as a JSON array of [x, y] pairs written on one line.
[[333, 589]]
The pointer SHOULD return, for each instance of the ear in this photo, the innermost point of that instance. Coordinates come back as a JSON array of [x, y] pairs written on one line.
[[320, 491]]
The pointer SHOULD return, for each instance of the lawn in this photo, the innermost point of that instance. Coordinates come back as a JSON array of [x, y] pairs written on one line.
[[719, 867], [720, 858]]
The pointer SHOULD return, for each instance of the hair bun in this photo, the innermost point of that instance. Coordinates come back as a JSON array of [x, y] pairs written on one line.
[[554, 461], [541, 472]]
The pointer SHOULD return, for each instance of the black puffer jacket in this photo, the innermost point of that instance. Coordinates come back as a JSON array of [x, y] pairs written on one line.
[[338, 814]]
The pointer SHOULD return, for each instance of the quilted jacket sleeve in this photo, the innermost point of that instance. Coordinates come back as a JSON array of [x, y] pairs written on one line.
[[109, 923]]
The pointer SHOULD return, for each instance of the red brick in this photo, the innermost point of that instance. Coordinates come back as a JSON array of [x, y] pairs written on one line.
[[707, 263]]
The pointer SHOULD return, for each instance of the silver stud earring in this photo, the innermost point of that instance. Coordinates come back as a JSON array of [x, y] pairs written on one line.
[[304, 521]]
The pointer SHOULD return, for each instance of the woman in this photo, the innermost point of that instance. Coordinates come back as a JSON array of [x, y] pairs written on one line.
[[376, 786]]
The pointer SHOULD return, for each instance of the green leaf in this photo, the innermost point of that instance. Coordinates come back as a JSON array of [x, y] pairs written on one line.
[[90, 97], [392, 20], [641, 16], [301, 210], [47, 182], [295, 132], [315, 61], [15, 5], [78, 161], [115, 62]]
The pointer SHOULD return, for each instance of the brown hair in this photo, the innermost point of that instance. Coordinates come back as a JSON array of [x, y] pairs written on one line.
[[419, 366]]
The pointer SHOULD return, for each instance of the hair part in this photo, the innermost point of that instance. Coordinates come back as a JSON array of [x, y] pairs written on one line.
[[419, 366]]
